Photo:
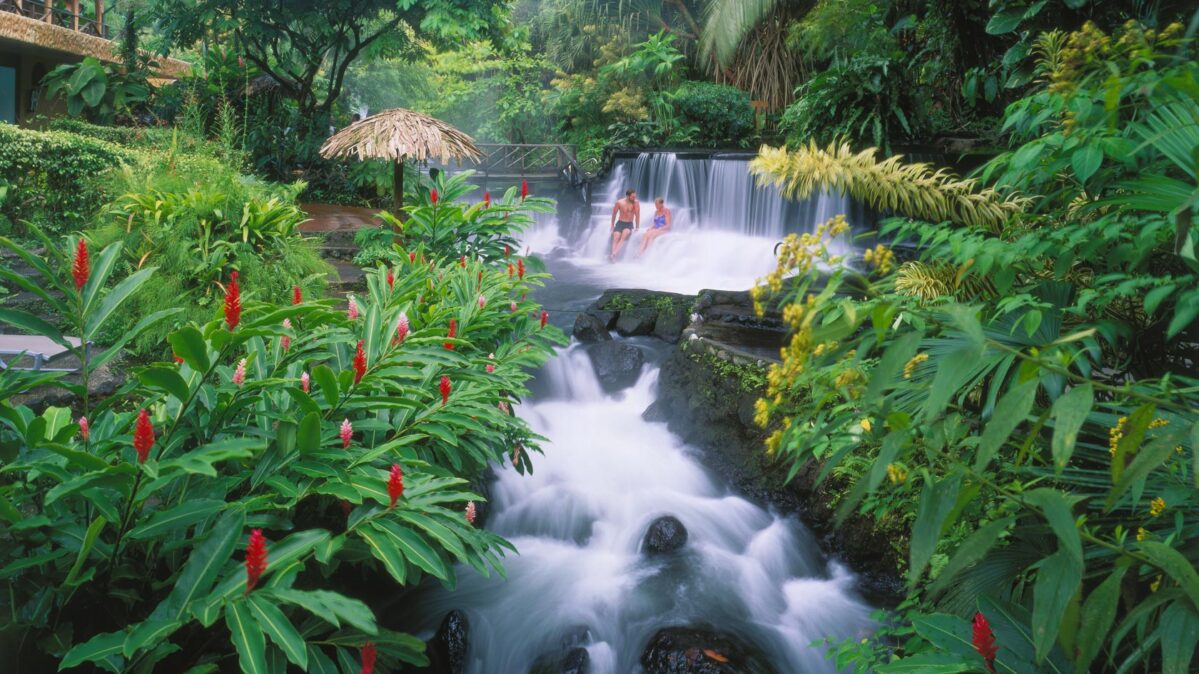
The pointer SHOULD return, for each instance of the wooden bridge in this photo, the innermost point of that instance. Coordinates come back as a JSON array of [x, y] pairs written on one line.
[[529, 161]]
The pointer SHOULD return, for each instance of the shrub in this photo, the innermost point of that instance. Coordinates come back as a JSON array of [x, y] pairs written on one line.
[[722, 114], [52, 175], [283, 431]]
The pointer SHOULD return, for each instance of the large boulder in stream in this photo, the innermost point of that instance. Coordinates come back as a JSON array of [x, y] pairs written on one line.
[[693, 650], [637, 321], [589, 329], [574, 661], [618, 365], [448, 649], [665, 534], [671, 322]]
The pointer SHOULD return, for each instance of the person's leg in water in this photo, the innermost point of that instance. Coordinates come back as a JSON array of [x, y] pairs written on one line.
[[618, 243], [646, 240]]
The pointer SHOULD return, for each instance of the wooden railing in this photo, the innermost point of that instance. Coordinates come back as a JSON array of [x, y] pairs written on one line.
[[529, 161], [65, 13]]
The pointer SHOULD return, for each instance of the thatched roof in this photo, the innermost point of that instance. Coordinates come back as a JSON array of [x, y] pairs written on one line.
[[401, 134], [49, 36]]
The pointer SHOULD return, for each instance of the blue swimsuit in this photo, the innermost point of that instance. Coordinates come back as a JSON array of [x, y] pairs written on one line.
[[659, 221]]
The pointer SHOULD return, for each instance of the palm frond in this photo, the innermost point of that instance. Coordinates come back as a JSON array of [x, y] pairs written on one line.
[[727, 24], [914, 190]]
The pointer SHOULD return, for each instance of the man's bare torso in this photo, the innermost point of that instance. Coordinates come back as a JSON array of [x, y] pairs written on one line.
[[626, 210]]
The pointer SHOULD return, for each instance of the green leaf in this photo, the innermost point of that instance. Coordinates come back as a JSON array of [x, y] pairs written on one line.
[[899, 352], [927, 663], [974, 548], [189, 345], [114, 299], [1151, 456], [1175, 565], [89, 540], [1155, 297], [1180, 633], [327, 381], [1010, 412], [308, 437], [203, 565], [247, 637], [165, 379], [416, 550], [1069, 413], [1086, 161], [97, 648], [1005, 21], [149, 632], [936, 502], [436, 531], [384, 550], [280, 630], [952, 372], [34, 325], [1056, 508], [102, 266], [183, 515], [1057, 582], [1098, 612]]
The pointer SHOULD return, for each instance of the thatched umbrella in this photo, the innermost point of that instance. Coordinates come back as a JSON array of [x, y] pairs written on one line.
[[400, 135]]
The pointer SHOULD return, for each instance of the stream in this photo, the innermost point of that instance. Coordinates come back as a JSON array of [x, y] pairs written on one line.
[[582, 576]]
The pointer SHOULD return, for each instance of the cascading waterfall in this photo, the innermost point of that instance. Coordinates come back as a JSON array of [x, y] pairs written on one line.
[[578, 521], [724, 230]]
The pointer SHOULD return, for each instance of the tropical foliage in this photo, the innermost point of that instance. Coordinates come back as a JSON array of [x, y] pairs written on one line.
[[225, 503], [1018, 397]]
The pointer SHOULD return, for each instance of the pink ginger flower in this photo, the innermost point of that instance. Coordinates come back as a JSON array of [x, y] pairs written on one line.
[[85, 430], [304, 382], [482, 301], [239, 374], [504, 407], [545, 316], [470, 512], [412, 257], [513, 306], [391, 279], [347, 432], [395, 484], [285, 341], [401, 330], [352, 310]]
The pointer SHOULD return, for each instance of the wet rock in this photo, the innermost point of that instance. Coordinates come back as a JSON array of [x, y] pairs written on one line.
[[638, 321], [605, 317], [655, 412], [589, 329], [665, 534], [692, 650], [671, 322], [574, 661], [618, 365], [448, 649]]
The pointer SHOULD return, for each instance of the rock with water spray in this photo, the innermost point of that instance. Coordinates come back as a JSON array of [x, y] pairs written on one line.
[[671, 322], [665, 534], [574, 661], [448, 649], [693, 650], [637, 321], [589, 329], [616, 364]]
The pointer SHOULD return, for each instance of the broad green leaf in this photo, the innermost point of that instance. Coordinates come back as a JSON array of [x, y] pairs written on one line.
[[97, 648], [416, 550], [203, 565], [166, 379], [1057, 582], [973, 549], [1175, 565], [85, 549], [247, 637], [899, 352], [189, 345], [1069, 413], [1134, 432], [936, 501], [952, 372], [1006, 21], [102, 266], [927, 663], [1098, 612], [150, 632], [385, 550], [308, 437], [32, 324], [114, 299], [183, 515], [280, 630], [1086, 161], [327, 381], [1150, 457], [437, 531], [1057, 510], [1180, 633], [1010, 412]]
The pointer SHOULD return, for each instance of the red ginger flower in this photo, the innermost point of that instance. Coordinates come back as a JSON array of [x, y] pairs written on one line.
[[255, 559], [232, 303], [143, 436], [359, 362], [486, 199], [545, 316], [520, 268], [85, 431], [453, 332], [412, 257], [463, 262], [285, 341], [395, 484], [391, 280], [433, 196], [445, 388], [984, 641], [346, 432], [507, 250], [178, 360], [296, 295], [511, 270], [368, 658], [524, 189], [80, 268]]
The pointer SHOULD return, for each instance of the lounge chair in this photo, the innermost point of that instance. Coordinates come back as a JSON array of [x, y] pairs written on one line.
[[41, 350]]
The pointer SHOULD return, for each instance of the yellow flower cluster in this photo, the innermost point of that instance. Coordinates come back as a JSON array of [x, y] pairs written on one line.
[[799, 254], [1115, 434], [1142, 534], [910, 366], [866, 425], [1157, 582], [881, 257], [772, 442], [1157, 506], [896, 473], [761, 412]]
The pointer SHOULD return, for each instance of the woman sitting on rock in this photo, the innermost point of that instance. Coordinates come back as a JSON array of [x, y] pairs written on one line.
[[663, 219]]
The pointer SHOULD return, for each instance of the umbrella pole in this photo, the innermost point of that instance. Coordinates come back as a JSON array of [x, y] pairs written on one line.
[[397, 185]]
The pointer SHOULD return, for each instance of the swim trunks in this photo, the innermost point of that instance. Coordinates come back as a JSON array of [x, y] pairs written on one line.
[[622, 226]]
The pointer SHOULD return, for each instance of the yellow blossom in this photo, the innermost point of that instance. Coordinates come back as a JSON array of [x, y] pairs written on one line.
[[761, 412], [1142, 534], [1115, 434], [910, 366], [896, 474], [866, 425], [1157, 506], [1157, 582]]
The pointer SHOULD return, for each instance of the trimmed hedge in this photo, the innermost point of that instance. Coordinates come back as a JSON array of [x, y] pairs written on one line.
[[51, 175], [723, 113]]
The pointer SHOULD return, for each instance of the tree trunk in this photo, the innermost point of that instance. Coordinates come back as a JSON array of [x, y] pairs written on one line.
[[397, 186]]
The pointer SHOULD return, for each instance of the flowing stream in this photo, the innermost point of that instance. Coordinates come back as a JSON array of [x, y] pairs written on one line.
[[606, 474]]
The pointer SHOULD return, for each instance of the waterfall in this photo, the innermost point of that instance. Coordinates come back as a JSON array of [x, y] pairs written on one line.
[[578, 521]]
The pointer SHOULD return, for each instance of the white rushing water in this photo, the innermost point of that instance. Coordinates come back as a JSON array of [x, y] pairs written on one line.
[[578, 522], [724, 230]]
